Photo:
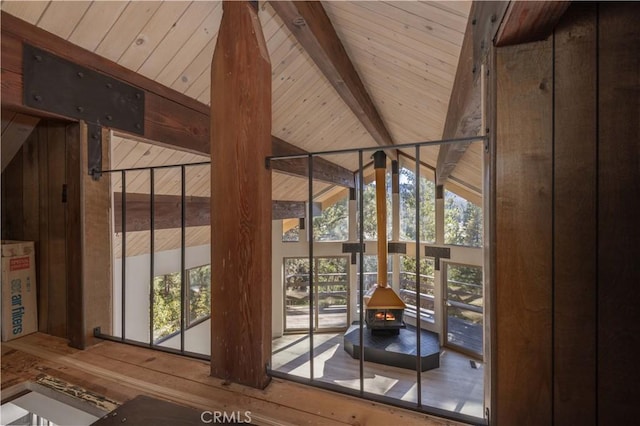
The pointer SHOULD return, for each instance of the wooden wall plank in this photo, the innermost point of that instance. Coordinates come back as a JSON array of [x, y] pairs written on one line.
[[74, 210], [575, 217], [524, 235], [527, 21], [240, 141], [56, 236], [618, 206], [13, 136], [97, 253]]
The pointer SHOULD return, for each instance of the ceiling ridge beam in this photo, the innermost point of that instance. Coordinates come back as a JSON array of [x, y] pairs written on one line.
[[310, 24]]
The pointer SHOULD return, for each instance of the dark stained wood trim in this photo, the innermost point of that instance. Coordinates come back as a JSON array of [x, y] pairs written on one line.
[[323, 170], [464, 114], [198, 211], [524, 236], [618, 203], [574, 217], [527, 21], [74, 210], [311, 26], [172, 119], [241, 199]]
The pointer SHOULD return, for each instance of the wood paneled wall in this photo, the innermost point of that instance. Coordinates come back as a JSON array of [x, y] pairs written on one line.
[[567, 193], [32, 210], [71, 230]]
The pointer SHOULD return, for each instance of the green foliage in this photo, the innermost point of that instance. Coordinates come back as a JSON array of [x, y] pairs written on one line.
[[462, 221], [333, 223], [408, 207], [166, 309]]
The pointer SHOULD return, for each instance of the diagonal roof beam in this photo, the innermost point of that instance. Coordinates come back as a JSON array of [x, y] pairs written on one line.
[[309, 23], [505, 23]]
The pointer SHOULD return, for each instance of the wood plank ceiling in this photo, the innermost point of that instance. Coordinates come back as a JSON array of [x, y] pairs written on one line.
[[406, 54]]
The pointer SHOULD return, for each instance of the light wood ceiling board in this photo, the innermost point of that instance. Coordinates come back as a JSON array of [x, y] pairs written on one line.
[[455, 8], [176, 52], [196, 43], [96, 23], [410, 78], [126, 28], [397, 94], [441, 14], [323, 45], [196, 69], [293, 188], [200, 85], [437, 45], [364, 37], [61, 17], [161, 25], [30, 11]]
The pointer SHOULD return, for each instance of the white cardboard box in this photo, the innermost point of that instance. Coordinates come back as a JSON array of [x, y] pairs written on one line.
[[19, 302]]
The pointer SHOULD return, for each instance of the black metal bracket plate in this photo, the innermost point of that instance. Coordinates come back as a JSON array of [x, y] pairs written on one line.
[[437, 253], [61, 87], [399, 248], [354, 249], [94, 150]]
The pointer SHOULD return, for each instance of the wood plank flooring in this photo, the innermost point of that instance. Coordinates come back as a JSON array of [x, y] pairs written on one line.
[[456, 386], [122, 372]]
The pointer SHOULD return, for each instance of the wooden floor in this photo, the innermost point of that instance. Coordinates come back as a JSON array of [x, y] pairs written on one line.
[[454, 386], [121, 372]]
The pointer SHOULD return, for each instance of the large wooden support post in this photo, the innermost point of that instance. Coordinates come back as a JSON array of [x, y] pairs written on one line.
[[567, 192], [240, 199]]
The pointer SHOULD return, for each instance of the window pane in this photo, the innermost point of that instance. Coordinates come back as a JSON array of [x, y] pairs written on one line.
[[408, 285], [296, 286], [370, 218], [199, 280], [408, 207], [166, 309], [333, 223], [291, 230], [462, 221]]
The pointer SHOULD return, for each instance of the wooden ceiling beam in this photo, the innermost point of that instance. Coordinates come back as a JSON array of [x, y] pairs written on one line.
[[464, 117], [172, 119], [323, 170], [198, 211], [502, 24], [309, 23], [527, 21]]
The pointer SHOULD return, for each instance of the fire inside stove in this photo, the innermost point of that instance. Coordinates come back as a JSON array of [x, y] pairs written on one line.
[[385, 316]]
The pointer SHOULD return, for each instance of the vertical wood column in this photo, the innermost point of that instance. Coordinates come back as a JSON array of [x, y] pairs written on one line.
[[618, 203], [240, 199], [574, 217], [523, 231], [89, 270]]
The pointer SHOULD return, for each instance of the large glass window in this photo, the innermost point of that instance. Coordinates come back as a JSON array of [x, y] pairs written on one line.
[[408, 286], [464, 305], [166, 307], [462, 221], [408, 207], [290, 230], [333, 223], [199, 282], [369, 209], [331, 286]]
